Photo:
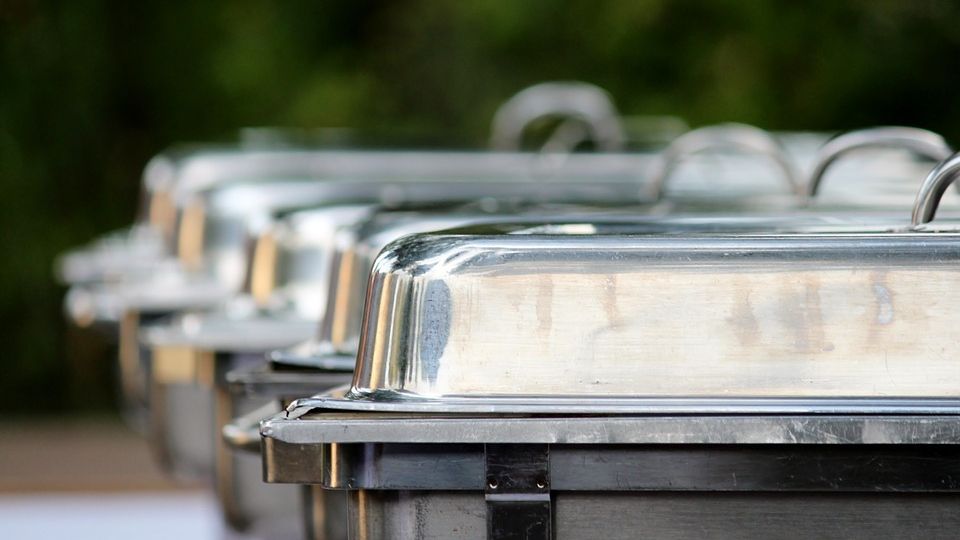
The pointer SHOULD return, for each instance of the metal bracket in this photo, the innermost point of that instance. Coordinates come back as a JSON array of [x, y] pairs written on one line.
[[517, 491]]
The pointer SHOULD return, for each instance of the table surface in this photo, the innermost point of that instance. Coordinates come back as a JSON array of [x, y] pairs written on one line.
[[94, 478]]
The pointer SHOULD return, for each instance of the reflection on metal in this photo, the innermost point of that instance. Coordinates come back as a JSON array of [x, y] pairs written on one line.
[[344, 299], [263, 269], [162, 214], [919, 141], [190, 236]]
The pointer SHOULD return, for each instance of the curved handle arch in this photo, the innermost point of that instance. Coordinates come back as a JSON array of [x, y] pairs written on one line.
[[572, 100], [933, 188], [919, 141], [735, 137]]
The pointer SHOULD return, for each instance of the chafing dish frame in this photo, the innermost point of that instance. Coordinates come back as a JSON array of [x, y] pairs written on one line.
[[521, 468]]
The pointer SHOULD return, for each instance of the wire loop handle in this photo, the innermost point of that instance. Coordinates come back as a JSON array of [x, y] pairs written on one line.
[[579, 101], [919, 141], [933, 188], [734, 137]]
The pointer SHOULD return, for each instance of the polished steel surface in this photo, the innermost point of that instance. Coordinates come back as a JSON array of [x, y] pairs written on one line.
[[581, 310], [302, 268], [924, 143]]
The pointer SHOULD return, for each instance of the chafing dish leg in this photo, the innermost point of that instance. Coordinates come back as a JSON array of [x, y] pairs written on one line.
[[517, 491]]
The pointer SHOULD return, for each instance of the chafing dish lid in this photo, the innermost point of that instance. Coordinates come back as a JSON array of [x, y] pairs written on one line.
[[815, 308]]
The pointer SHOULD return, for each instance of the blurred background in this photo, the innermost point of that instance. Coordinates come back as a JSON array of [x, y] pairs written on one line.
[[91, 89]]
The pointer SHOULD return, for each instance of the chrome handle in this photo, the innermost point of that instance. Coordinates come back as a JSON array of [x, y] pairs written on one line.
[[919, 141], [573, 100], [735, 137], [933, 188]]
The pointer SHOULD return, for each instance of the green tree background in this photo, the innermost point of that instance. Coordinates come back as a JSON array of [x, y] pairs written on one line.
[[90, 89]]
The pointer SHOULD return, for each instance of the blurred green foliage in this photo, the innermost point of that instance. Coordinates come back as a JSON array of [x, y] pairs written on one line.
[[90, 89]]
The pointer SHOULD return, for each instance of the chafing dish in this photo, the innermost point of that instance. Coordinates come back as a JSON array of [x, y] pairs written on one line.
[[599, 378]]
